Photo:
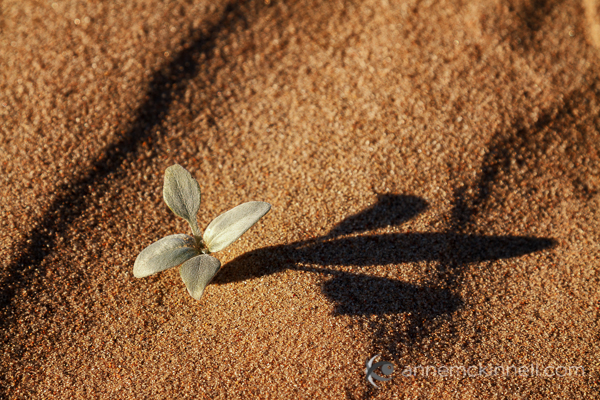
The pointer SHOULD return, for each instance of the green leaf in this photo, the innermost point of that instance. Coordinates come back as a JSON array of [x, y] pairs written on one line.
[[198, 272], [229, 226], [163, 254], [182, 194]]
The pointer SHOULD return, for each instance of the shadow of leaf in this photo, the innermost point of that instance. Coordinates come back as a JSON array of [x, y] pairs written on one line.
[[367, 295], [366, 251], [396, 248], [389, 210]]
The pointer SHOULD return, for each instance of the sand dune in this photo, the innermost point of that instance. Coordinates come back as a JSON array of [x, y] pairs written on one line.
[[433, 170]]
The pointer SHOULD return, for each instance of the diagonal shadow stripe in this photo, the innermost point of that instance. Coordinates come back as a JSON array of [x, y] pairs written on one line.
[[517, 144], [72, 199]]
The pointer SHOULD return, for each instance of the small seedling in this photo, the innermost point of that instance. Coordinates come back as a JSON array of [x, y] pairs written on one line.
[[181, 192]]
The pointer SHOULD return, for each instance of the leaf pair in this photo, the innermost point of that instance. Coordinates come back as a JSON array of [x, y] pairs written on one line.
[[181, 192]]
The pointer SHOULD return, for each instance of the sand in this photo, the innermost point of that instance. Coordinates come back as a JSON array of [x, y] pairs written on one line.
[[433, 170]]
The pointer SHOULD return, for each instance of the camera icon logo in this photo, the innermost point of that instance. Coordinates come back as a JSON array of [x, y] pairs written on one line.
[[386, 368]]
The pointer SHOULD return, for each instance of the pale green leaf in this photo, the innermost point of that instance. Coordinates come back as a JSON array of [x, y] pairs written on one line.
[[198, 272], [163, 254], [181, 192], [229, 226]]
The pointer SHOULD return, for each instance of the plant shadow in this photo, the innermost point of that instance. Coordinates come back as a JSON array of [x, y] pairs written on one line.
[[359, 294]]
